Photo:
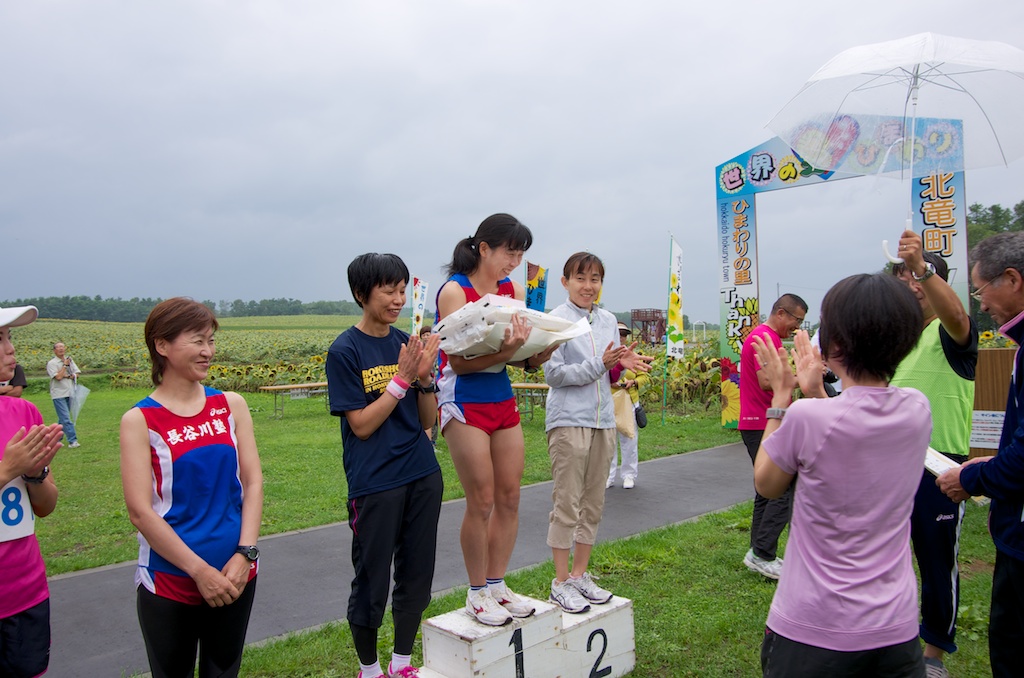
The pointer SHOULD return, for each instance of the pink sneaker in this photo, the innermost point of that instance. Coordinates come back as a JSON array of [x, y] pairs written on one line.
[[404, 672]]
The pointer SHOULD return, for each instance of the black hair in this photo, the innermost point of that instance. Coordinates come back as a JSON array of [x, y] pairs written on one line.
[[581, 262], [941, 267], [869, 323], [371, 270], [496, 230], [789, 302]]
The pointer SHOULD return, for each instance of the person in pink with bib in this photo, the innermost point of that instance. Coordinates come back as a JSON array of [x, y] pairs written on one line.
[[27, 491]]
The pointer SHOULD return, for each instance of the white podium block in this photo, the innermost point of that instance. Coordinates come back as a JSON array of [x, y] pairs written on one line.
[[458, 646], [551, 644], [599, 643]]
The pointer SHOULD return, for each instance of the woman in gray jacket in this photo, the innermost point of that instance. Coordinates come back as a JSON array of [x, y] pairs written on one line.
[[580, 424]]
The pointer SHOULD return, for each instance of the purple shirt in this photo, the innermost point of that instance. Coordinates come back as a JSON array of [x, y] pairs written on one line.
[[848, 583]]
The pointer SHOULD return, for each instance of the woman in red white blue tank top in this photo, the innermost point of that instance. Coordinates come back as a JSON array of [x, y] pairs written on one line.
[[194, 489], [480, 421]]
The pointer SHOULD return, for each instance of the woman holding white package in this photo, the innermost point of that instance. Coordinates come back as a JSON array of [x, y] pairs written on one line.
[[479, 418]]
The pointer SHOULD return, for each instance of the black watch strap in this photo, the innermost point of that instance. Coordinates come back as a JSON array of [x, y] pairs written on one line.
[[251, 553]]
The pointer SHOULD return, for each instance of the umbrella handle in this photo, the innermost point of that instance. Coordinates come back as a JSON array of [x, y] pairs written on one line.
[[891, 258]]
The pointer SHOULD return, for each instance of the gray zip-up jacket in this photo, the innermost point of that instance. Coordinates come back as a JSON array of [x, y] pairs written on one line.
[[581, 394]]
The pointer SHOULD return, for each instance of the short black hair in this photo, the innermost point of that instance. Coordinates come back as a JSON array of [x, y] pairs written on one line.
[[371, 270], [789, 302], [941, 267], [870, 323]]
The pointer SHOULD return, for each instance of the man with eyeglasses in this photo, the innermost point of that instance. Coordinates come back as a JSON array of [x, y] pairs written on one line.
[[998, 278], [941, 366], [770, 515]]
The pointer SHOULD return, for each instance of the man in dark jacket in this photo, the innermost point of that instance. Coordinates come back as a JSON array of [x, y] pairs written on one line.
[[998, 279]]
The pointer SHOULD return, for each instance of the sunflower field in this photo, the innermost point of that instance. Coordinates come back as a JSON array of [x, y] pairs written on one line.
[[251, 352]]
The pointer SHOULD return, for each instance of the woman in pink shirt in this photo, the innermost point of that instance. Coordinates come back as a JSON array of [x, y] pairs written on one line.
[[846, 604], [27, 491]]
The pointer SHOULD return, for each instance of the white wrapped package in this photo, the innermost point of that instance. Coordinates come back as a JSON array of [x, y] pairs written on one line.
[[478, 328]]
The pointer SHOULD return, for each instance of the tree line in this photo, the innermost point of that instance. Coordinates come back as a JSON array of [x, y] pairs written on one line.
[[983, 222], [136, 309]]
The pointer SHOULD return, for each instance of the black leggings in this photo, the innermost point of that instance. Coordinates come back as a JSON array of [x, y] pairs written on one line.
[[172, 630]]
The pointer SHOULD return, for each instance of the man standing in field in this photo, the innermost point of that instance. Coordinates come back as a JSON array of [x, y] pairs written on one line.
[[63, 373], [770, 515], [998, 279], [942, 367]]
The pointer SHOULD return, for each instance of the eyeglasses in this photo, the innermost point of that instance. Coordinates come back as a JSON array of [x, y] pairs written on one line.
[[976, 294], [794, 317]]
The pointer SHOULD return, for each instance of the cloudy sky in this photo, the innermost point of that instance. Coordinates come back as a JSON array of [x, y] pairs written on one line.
[[228, 150]]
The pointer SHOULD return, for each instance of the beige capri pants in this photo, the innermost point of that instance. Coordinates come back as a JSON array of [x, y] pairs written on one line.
[[580, 458]]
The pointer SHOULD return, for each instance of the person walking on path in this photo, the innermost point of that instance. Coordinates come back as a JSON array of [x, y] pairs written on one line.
[[626, 397], [580, 426], [28, 492], [998, 279], [380, 382], [770, 515], [63, 376], [942, 367], [193, 487], [846, 604], [480, 420]]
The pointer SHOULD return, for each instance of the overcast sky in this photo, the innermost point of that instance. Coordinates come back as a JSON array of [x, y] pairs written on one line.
[[228, 150]]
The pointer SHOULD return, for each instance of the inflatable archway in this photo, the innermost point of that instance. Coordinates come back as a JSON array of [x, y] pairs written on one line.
[[938, 201]]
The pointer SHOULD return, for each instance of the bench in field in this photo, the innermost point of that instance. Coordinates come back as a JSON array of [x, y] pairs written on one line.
[[294, 392], [526, 393]]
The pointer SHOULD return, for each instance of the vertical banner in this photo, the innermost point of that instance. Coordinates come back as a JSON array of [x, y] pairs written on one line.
[[675, 346], [675, 337], [940, 217], [419, 300], [536, 286]]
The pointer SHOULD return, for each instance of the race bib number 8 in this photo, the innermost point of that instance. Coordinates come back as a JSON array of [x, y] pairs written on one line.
[[16, 517]]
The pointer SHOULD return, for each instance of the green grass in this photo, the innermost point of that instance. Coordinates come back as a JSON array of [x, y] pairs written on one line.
[[697, 610], [302, 467]]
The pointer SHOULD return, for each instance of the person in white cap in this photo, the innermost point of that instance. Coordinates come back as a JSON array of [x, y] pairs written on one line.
[[28, 492]]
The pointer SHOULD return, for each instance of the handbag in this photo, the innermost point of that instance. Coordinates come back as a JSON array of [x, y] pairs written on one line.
[[641, 416]]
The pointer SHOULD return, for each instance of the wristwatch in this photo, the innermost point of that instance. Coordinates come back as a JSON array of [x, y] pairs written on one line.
[[251, 553], [37, 480], [432, 388], [528, 368], [929, 271], [775, 413]]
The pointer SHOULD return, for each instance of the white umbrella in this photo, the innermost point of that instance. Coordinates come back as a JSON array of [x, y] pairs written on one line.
[[78, 396], [919, 105]]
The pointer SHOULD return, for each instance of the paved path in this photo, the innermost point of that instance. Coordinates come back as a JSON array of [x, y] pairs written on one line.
[[306, 575]]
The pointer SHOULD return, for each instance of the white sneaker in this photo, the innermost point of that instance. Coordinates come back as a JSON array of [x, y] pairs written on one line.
[[610, 484], [772, 569], [568, 597], [590, 590], [485, 609], [628, 482], [516, 605], [74, 444]]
